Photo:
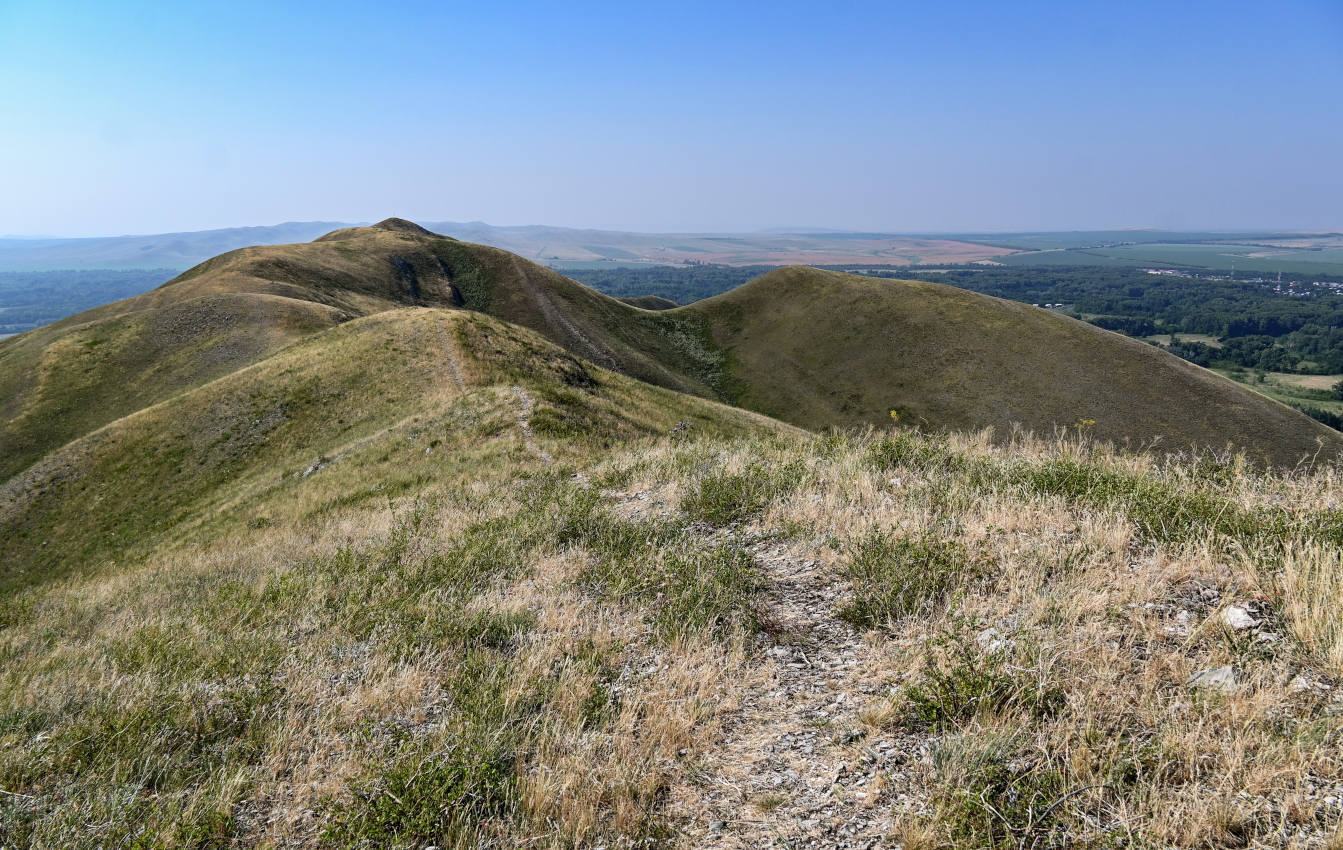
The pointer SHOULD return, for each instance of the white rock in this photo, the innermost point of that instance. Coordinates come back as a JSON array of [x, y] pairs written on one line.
[[1238, 619], [1215, 678], [991, 640]]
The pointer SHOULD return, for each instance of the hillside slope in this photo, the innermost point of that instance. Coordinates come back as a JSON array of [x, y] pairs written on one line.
[[66, 379], [502, 624], [812, 348], [821, 348], [407, 573], [377, 393]]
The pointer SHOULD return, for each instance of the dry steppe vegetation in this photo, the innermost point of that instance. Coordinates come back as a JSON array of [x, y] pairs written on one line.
[[879, 639], [419, 576]]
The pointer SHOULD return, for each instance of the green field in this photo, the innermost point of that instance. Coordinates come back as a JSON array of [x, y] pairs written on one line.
[[1193, 256], [1309, 391], [1071, 240], [1205, 339]]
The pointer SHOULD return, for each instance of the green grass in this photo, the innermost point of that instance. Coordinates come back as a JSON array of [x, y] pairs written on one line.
[[722, 498], [1193, 256], [962, 682], [820, 349], [896, 576], [985, 800], [692, 584], [199, 462]]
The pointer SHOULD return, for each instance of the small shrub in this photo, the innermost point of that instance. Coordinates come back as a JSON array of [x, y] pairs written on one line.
[[1162, 512], [895, 577], [912, 450], [693, 588], [989, 796], [436, 798], [726, 498], [961, 682], [707, 590]]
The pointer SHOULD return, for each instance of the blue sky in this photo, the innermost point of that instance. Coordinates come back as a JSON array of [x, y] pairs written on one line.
[[134, 117]]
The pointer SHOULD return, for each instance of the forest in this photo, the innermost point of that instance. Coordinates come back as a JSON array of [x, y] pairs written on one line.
[[32, 299]]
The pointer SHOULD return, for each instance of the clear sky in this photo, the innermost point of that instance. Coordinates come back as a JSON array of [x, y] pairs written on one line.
[[129, 117]]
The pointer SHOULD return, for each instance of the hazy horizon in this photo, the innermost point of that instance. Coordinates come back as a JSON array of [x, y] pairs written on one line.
[[784, 230], [763, 230], [972, 117]]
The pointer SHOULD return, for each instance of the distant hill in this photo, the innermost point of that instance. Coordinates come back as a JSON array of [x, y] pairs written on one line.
[[559, 246], [162, 250], [811, 348], [349, 394]]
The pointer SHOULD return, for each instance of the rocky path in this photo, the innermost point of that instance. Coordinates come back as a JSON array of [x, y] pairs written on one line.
[[796, 767]]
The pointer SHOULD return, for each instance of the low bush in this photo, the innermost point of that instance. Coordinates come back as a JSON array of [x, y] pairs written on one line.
[[896, 576], [725, 498]]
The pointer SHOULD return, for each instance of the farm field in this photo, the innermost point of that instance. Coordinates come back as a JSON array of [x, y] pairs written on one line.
[[1299, 391], [1310, 382], [1082, 239], [1205, 339], [1324, 259]]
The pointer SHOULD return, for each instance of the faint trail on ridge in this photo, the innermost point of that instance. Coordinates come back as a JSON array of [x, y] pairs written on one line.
[[451, 353], [558, 320], [525, 405], [794, 766]]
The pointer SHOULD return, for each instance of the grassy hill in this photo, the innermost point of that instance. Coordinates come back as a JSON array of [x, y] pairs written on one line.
[[812, 348], [819, 348], [208, 456], [317, 558]]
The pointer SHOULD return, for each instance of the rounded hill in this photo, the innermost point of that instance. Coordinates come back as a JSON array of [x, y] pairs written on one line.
[[821, 348], [812, 348]]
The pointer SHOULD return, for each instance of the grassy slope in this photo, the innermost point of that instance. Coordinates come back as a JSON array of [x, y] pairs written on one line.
[[439, 639], [426, 577], [65, 380], [223, 452], [819, 348], [812, 348], [69, 378]]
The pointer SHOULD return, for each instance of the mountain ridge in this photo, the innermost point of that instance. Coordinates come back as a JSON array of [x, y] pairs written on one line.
[[817, 349]]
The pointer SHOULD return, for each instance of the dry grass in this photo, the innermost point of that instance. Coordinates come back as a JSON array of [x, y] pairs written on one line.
[[484, 661], [1309, 582], [1109, 616]]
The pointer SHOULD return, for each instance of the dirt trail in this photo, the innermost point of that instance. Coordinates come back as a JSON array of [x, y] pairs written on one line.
[[454, 366], [525, 405], [794, 767], [557, 320]]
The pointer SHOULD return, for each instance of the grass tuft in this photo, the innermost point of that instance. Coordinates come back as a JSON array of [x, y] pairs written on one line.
[[895, 576], [725, 498]]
